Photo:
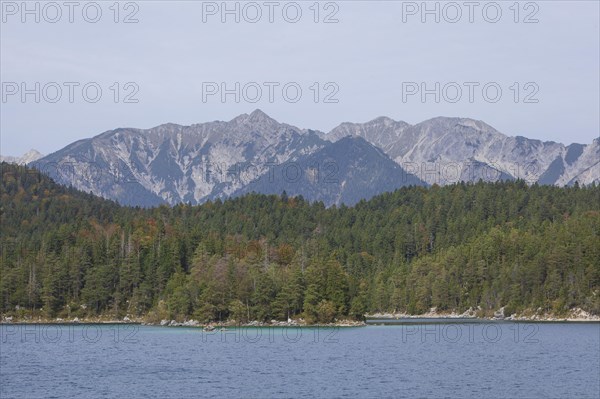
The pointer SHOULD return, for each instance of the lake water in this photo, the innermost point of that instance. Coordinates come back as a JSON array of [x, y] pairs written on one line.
[[499, 360]]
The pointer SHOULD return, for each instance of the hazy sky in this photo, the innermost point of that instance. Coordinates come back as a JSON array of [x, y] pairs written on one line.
[[375, 60]]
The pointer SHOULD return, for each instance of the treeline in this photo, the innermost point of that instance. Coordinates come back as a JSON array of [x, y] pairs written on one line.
[[70, 254]]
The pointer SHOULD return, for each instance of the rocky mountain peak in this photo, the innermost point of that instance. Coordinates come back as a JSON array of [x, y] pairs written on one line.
[[258, 116], [30, 156], [255, 117], [384, 120]]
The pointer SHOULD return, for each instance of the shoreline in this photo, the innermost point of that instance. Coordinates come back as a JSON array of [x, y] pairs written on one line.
[[370, 322], [573, 316], [576, 315], [172, 323], [440, 320], [370, 319]]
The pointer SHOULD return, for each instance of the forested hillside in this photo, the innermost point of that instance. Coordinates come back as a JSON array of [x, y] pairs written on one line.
[[257, 257]]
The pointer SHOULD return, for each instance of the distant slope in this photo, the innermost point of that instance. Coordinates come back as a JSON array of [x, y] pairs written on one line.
[[345, 172], [34, 203]]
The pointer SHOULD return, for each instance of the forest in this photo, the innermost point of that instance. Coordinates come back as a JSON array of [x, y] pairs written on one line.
[[65, 253]]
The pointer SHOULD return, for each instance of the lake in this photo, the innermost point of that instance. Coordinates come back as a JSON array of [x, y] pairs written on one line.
[[478, 360]]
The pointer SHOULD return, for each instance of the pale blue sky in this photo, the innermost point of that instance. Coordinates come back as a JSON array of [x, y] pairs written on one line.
[[368, 54]]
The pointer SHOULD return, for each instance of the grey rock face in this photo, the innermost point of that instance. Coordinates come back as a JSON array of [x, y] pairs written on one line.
[[446, 150], [171, 163]]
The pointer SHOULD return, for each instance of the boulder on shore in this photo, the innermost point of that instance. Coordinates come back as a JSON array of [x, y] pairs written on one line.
[[499, 314]]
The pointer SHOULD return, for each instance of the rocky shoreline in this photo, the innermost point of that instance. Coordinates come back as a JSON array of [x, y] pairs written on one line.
[[574, 315], [174, 323]]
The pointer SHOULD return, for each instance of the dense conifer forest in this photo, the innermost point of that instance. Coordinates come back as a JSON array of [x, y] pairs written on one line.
[[260, 257]]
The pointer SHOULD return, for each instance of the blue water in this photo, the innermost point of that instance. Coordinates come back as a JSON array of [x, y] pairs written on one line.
[[502, 360]]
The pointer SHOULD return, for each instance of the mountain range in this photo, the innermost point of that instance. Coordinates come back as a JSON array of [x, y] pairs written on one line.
[[172, 163], [30, 156]]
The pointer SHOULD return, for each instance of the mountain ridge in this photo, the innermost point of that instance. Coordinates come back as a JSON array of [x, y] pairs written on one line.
[[173, 163], [28, 157]]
